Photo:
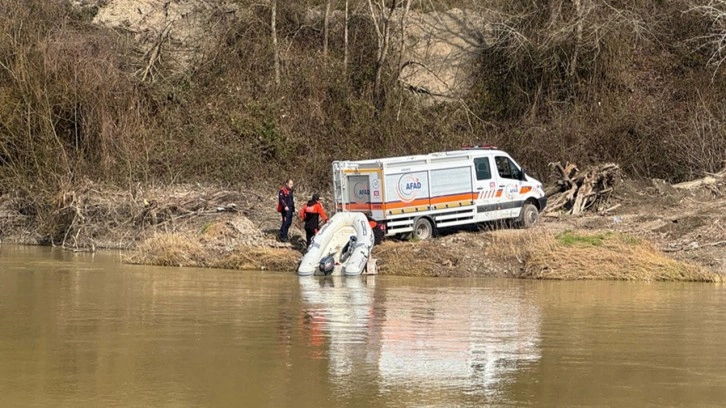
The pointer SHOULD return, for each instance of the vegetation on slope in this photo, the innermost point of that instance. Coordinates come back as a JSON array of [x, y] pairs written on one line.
[[632, 82]]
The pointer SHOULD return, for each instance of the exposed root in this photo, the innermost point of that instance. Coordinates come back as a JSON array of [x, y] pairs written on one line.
[[577, 192]]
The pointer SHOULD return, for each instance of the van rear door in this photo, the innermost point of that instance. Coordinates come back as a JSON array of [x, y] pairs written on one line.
[[359, 193]]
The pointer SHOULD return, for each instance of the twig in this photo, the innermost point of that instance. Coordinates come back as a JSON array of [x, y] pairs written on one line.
[[155, 52], [710, 244], [607, 210], [691, 248]]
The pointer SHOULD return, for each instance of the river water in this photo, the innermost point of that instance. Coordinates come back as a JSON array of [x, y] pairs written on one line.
[[84, 330]]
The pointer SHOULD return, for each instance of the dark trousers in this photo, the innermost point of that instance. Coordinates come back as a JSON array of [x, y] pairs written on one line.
[[286, 222], [309, 234]]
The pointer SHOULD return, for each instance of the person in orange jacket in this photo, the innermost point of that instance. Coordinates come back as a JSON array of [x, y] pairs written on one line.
[[312, 213], [379, 230]]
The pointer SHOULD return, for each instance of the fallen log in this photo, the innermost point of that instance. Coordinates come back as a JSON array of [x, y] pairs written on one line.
[[711, 182], [688, 185]]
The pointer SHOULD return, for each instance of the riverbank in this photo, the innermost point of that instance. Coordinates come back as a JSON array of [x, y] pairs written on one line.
[[652, 231]]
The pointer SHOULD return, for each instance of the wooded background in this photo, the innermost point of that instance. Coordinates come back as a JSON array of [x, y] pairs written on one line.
[[286, 87]]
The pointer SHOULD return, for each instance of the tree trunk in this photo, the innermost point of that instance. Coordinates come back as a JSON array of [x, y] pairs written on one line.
[[326, 22], [382, 24], [578, 35], [275, 47], [345, 41], [403, 38]]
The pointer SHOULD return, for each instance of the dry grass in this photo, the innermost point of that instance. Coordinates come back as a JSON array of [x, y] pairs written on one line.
[[177, 249], [529, 254], [596, 255], [168, 250], [426, 258], [537, 254], [217, 230], [259, 258]]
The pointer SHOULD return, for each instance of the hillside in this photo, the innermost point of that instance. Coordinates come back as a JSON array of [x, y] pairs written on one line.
[[145, 95]]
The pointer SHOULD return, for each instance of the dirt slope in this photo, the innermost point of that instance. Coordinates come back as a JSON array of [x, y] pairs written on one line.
[[438, 51]]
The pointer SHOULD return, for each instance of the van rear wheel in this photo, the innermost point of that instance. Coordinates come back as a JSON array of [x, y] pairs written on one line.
[[528, 216], [422, 229]]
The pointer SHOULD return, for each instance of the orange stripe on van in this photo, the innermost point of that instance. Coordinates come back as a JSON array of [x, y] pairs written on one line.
[[525, 190], [449, 201], [499, 192], [400, 204], [453, 204], [361, 171], [366, 206], [452, 198]]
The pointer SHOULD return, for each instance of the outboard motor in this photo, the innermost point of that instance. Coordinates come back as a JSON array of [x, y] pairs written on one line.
[[348, 248], [327, 264]]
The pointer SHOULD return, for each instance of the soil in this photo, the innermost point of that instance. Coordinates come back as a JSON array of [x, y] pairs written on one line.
[[237, 229], [439, 46], [182, 30], [688, 225]]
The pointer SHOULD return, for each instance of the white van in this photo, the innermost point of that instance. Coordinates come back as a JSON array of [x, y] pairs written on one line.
[[414, 195]]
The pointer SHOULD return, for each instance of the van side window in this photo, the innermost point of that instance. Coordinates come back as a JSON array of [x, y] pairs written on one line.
[[483, 172], [506, 168]]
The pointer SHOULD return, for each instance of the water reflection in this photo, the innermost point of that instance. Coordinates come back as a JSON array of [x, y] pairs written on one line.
[[341, 310], [467, 341], [470, 340]]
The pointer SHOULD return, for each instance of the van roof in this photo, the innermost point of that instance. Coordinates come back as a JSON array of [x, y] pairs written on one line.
[[474, 152]]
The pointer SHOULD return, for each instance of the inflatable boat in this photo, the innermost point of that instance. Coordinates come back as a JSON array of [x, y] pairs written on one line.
[[341, 247]]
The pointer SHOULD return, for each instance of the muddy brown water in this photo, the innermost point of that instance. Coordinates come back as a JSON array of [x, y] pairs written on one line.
[[82, 330]]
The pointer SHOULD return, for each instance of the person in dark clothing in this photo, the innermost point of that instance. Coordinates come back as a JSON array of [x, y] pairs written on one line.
[[312, 213], [379, 230], [286, 208]]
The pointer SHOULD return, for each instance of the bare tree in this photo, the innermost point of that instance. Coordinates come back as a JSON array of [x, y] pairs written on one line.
[[345, 40], [715, 12], [579, 17], [402, 24], [574, 35], [275, 46], [381, 17], [326, 31]]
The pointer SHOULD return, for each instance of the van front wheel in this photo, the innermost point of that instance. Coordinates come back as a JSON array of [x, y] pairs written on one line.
[[528, 216], [422, 229]]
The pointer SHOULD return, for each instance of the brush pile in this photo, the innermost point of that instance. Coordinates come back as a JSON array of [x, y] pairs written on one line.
[[578, 191]]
